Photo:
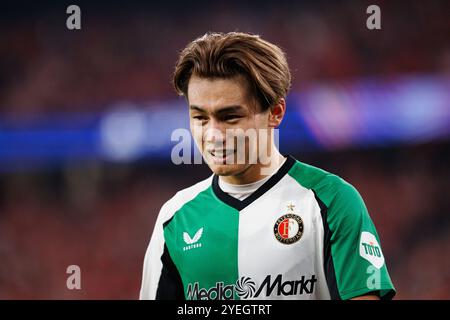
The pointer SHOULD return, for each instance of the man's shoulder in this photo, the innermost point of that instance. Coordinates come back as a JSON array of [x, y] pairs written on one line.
[[183, 196], [312, 177], [327, 186]]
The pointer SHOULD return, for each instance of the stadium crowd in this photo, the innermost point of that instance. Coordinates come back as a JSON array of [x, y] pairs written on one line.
[[100, 216]]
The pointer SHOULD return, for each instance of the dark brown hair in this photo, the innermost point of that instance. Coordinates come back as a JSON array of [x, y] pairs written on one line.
[[219, 55]]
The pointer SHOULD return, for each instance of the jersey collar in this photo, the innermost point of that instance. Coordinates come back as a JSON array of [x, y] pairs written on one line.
[[241, 204]]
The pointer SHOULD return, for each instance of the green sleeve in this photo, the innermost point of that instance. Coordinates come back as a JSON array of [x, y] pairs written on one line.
[[354, 252]]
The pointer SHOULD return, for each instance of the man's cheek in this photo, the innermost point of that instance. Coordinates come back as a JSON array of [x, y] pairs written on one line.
[[197, 133], [199, 143]]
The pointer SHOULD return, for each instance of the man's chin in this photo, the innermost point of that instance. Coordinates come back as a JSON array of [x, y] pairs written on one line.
[[226, 169]]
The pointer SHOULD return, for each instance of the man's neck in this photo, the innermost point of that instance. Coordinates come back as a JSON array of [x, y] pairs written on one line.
[[256, 172]]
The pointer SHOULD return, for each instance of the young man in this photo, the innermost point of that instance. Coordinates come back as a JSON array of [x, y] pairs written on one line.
[[267, 226]]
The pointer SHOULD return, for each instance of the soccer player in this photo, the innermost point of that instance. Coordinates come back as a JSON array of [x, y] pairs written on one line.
[[268, 226]]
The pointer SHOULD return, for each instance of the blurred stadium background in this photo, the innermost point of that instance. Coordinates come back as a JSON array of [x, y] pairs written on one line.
[[86, 118]]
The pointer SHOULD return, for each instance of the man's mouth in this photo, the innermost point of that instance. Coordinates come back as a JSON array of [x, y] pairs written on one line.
[[221, 156]]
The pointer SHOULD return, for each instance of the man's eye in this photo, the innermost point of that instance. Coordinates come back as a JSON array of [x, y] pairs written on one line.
[[231, 117], [200, 118]]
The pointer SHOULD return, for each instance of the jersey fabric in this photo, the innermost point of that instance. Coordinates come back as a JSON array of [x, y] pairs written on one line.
[[242, 191], [304, 234]]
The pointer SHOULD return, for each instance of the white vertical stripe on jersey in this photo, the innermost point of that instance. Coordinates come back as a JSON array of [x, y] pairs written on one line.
[[261, 254]]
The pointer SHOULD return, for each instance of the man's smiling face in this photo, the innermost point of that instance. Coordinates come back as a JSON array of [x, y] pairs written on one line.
[[216, 107]]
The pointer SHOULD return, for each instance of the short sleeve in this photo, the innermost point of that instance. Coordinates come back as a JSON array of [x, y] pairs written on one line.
[[160, 277], [354, 261]]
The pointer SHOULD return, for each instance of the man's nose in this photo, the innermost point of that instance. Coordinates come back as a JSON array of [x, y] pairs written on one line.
[[214, 132]]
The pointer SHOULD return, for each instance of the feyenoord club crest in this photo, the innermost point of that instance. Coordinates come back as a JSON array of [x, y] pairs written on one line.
[[288, 228]]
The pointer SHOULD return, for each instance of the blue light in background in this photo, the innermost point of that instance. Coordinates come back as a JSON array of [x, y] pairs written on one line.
[[328, 116]]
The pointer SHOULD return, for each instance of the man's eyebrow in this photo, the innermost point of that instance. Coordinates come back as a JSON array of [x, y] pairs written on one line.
[[226, 109], [230, 109], [193, 107]]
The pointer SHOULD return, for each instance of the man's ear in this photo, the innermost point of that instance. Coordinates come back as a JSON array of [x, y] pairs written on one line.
[[277, 112]]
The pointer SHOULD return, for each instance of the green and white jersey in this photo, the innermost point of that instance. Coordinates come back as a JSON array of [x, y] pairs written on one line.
[[304, 234]]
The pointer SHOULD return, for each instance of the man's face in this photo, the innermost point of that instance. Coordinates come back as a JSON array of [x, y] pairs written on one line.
[[217, 107]]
